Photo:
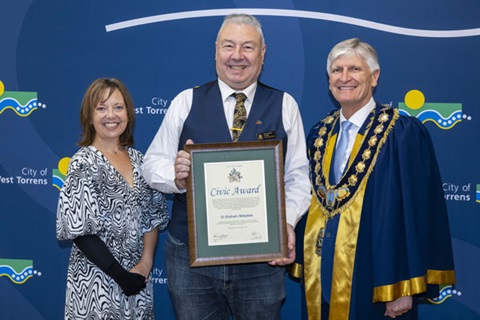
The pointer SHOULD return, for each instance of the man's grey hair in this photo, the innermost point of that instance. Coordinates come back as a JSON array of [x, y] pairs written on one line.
[[243, 18], [356, 47]]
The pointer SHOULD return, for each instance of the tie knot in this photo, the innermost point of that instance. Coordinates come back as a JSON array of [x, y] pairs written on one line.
[[346, 125], [240, 96]]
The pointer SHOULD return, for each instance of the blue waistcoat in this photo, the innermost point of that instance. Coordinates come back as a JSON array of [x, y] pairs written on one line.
[[206, 124]]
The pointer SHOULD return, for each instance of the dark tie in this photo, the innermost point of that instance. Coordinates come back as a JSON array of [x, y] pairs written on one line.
[[341, 149], [240, 115]]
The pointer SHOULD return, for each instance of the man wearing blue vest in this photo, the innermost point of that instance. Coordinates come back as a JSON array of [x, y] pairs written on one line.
[[376, 238], [205, 114]]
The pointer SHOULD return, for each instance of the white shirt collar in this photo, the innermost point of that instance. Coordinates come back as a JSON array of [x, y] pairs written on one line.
[[359, 117], [226, 91]]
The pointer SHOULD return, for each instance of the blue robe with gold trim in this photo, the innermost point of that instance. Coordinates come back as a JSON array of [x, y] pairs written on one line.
[[396, 223]]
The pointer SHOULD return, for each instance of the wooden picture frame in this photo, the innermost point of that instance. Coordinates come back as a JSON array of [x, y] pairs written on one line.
[[236, 203]]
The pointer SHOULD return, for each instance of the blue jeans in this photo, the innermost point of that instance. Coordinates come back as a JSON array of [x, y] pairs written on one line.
[[246, 291]]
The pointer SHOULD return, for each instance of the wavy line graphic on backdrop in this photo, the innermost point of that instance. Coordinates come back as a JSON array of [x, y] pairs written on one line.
[[444, 115], [477, 194], [58, 175], [17, 270], [295, 14], [445, 293], [12, 103], [434, 116], [23, 103], [57, 179]]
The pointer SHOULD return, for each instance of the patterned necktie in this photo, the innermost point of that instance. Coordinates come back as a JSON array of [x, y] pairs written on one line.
[[240, 115], [341, 149]]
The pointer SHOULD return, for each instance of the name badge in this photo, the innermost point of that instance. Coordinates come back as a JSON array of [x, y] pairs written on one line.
[[266, 135]]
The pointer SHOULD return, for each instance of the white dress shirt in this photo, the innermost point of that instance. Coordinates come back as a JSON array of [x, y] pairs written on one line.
[[357, 119], [158, 165]]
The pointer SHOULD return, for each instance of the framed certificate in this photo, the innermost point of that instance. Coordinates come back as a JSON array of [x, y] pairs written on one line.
[[236, 203]]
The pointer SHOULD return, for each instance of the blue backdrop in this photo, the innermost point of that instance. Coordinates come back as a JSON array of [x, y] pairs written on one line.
[[50, 51]]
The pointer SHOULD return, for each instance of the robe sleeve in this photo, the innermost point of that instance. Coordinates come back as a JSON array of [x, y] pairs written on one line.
[[411, 242]]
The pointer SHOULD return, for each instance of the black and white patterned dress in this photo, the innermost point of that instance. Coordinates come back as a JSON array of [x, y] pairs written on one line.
[[96, 200]]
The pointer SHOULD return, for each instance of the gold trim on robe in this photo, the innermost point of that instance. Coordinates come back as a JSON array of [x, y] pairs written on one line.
[[346, 199], [412, 286], [312, 261]]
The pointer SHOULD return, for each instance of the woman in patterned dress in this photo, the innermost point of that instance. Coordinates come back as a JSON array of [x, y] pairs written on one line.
[[110, 213]]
